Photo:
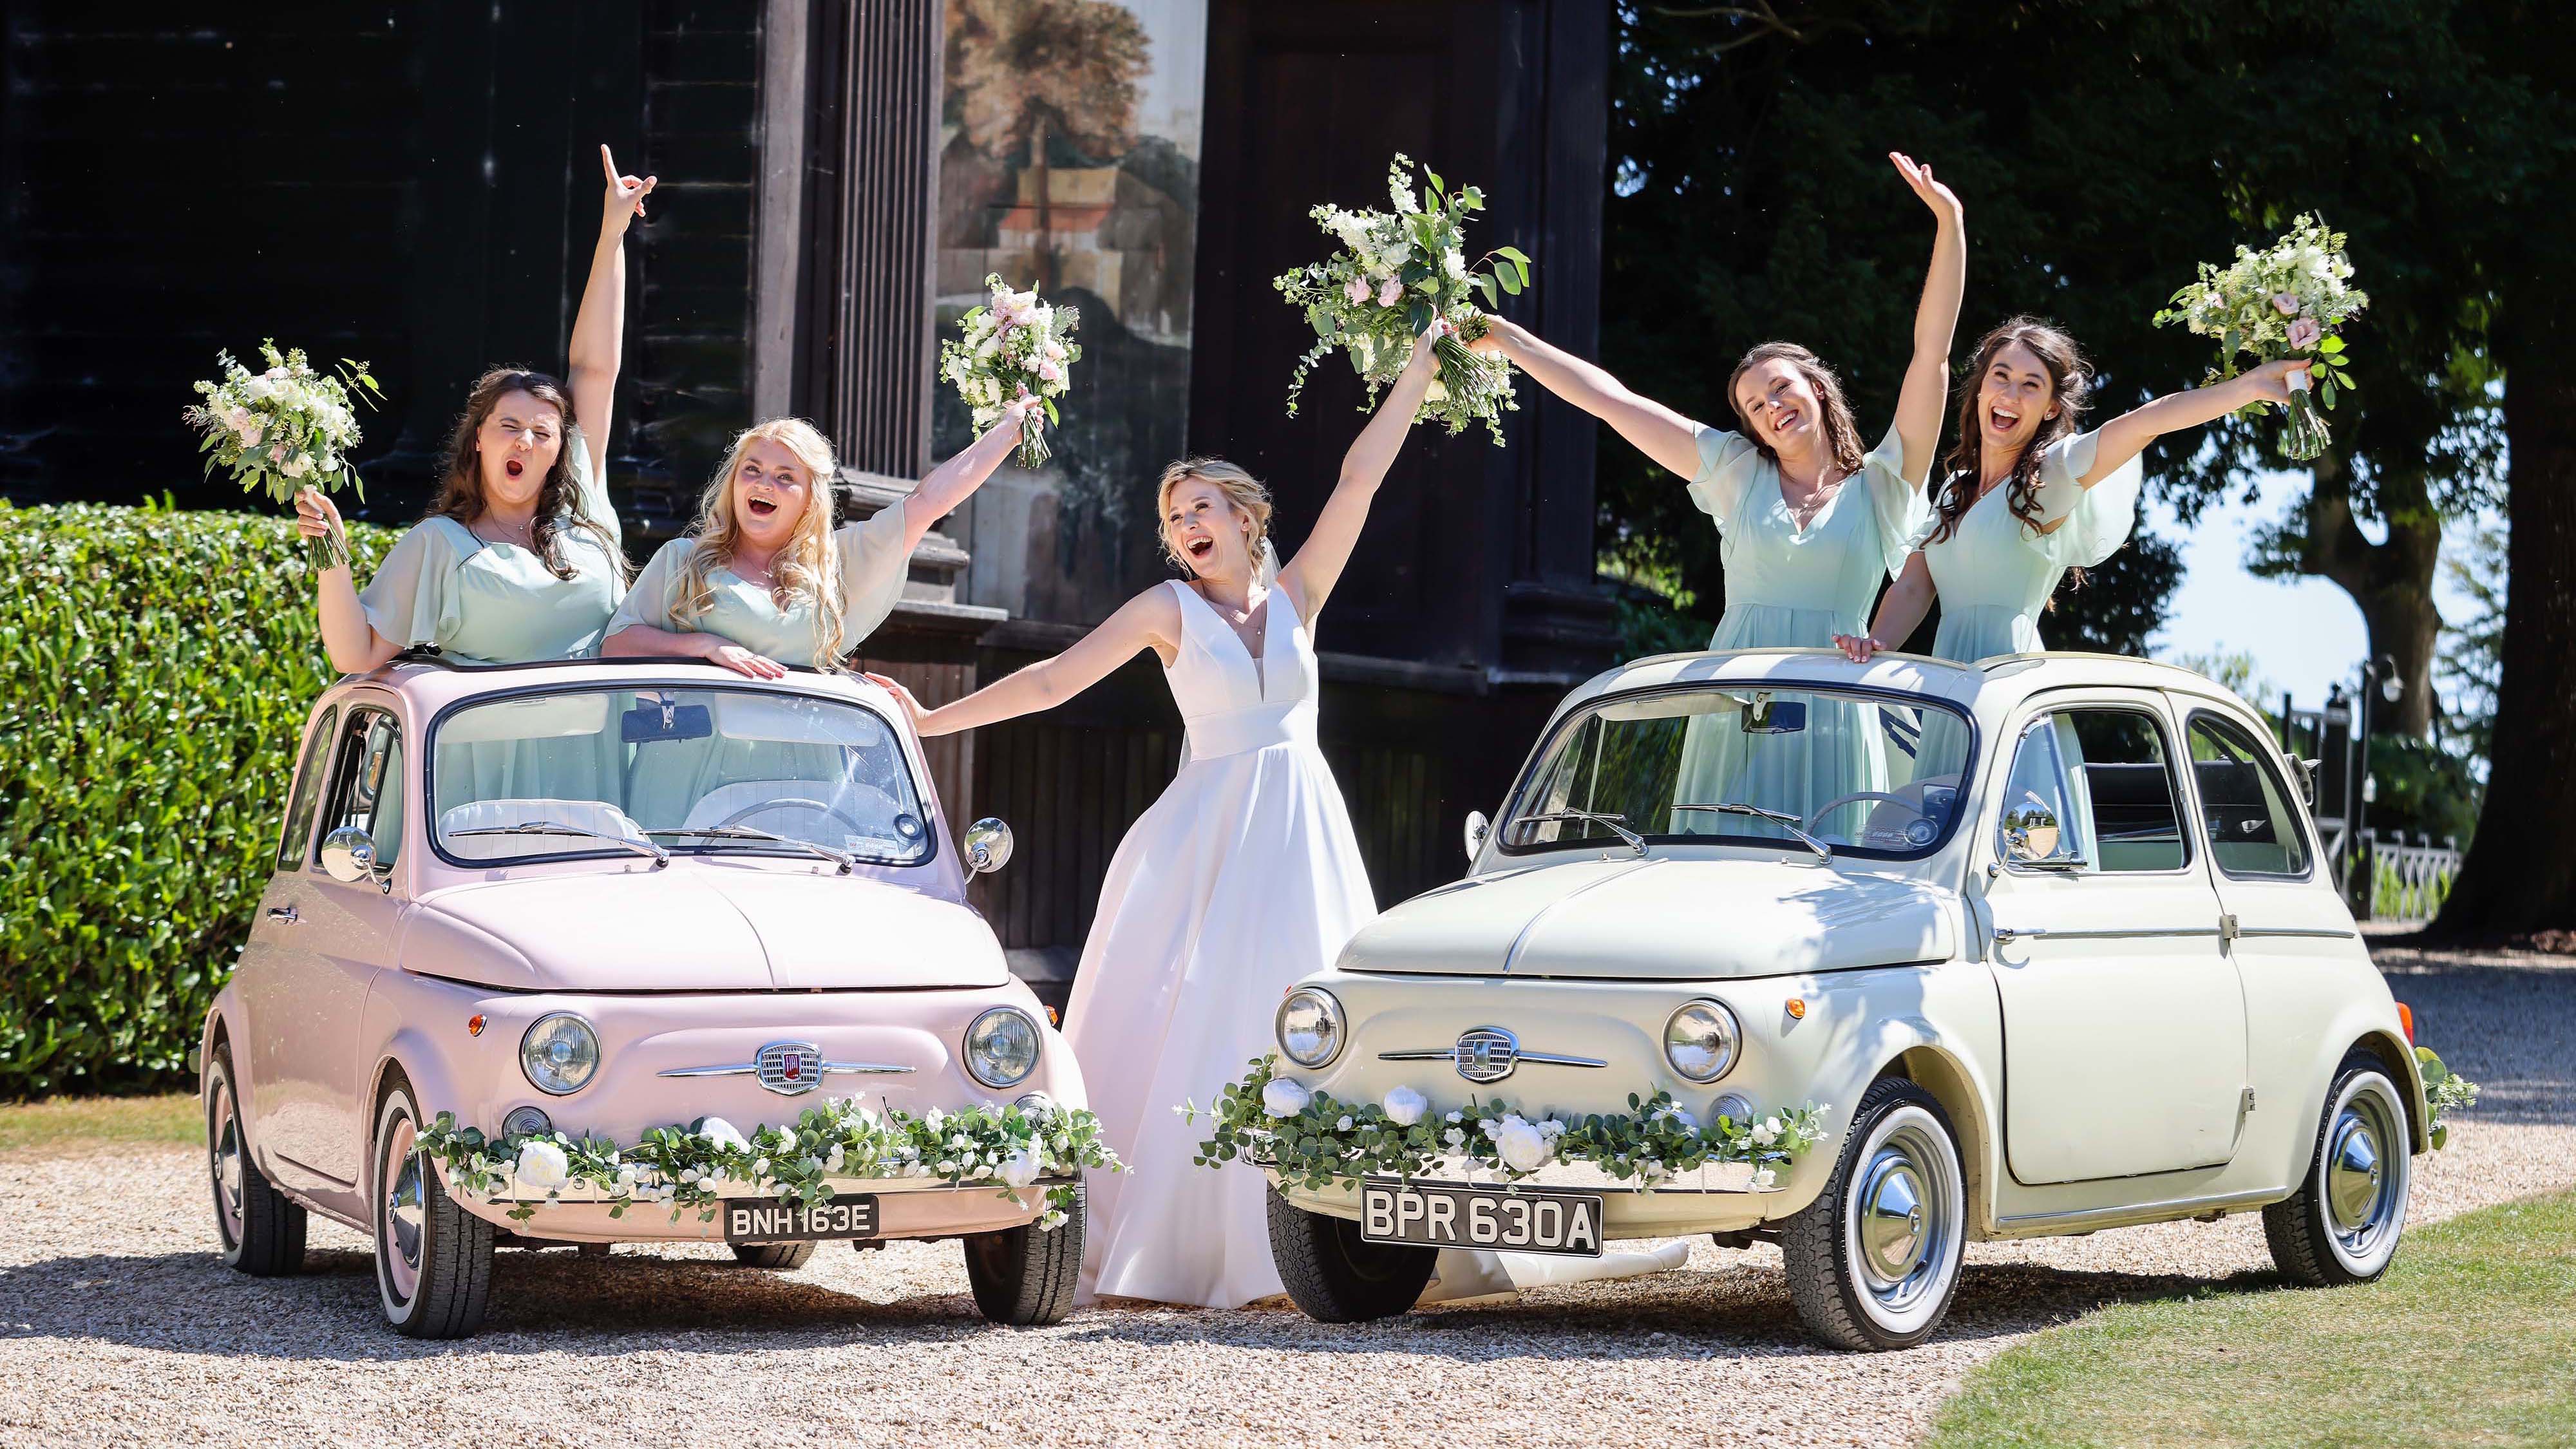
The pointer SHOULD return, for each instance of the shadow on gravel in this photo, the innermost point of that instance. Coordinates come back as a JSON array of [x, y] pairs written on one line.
[[556, 1303]]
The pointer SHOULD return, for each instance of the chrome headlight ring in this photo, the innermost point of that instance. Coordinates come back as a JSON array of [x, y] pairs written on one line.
[[1310, 1027], [1002, 1047], [1702, 1040], [559, 1053]]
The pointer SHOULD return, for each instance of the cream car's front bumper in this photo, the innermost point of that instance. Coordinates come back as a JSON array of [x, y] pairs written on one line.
[[907, 1207], [1713, 1199]]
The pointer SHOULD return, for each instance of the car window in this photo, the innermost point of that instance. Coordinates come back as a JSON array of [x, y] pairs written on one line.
[[1857, 772], [2092, 792], [297, 836], [590, 772], [2252, 827], [366, 784]]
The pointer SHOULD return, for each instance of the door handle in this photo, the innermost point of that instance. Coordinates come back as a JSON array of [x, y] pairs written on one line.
[[284, 915], [2005, 935]]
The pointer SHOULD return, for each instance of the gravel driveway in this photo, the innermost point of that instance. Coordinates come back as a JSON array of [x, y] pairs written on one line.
[[117, 1325]]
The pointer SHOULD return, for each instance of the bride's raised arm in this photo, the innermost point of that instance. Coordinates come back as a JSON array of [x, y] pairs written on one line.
[[1151, 620], [1318, 565]]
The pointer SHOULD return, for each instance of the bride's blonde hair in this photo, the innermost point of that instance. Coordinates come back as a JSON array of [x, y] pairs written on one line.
[[808, 568], [1240, 488]]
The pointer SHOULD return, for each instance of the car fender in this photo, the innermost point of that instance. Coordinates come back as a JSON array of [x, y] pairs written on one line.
[[2366, 1026]]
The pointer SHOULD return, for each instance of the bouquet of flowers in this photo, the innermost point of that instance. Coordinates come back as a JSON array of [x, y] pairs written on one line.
[[1014, 346], [1396, 271], [287, 428], [2289, 300]]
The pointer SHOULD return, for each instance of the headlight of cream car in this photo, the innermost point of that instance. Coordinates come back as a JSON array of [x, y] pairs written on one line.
[[1002, 1047], [1701, 1040], [560, 1053], [1310, 1027]]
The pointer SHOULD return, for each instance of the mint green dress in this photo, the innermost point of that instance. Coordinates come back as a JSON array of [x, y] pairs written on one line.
[[1995, 572], [873, 564], [1795, 588], [479, 602]]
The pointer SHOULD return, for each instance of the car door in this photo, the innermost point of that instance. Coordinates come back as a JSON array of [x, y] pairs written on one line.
[[263, 970], [2124, 1022], [313, 994]]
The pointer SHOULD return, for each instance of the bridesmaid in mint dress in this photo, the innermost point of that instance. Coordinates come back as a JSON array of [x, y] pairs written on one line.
[[520, 558], [2029, 498], [764, 580], [1810, 527]]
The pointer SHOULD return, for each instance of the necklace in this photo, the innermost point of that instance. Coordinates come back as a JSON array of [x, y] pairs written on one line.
[[524, 535], [1822, 494], [1241, 623]]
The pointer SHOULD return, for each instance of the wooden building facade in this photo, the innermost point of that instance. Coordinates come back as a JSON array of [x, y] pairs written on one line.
[[415, 182]]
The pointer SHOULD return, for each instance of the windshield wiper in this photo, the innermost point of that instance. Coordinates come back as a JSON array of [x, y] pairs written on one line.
[[1781, 818], [841, 858], [1617, 824], [660, 857]]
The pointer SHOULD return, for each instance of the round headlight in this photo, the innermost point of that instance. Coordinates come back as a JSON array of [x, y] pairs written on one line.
[[1310, 1026], [560, 1053], [1002, 1047], [1700, 1040], [527, 1122]]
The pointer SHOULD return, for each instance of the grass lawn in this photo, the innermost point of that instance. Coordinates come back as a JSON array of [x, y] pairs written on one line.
[[2470, 1339], [62, 1126]]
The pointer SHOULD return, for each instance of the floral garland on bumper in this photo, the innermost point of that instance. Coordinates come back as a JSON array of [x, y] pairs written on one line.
[[1314, 1140], [681, 1167]]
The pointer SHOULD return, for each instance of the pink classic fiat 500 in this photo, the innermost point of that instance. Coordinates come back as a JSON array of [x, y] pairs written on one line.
[[598, 952]]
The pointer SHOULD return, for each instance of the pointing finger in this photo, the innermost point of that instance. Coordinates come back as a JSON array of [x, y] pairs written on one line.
[[608, 163]]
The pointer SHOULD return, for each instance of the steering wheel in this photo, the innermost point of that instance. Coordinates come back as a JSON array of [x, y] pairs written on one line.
[[828, 812], [1838, 802]]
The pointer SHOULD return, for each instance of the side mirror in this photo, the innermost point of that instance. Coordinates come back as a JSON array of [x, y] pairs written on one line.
[[986, 845], [1477, 828], [2032, 836], [349, 854]]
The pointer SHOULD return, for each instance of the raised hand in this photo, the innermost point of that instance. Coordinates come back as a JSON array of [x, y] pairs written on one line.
[[1438, 329], [625, 199], [2271, 382], [316, 516], [1943, 201]]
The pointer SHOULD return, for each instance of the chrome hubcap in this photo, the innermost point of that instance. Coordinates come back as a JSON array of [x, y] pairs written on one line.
[[224, 1145], [403, 1209], [1902, 1233], [2361, 1183]]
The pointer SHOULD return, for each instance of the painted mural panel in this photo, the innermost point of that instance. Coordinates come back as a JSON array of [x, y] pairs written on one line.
[[1069, 160]]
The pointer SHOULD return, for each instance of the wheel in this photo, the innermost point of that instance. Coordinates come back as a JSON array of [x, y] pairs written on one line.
[[2341, 1226], [433, 1258], [261, 1229], [785, 1257], [1024, 1276], [1334, 1274], [1874, 1259]]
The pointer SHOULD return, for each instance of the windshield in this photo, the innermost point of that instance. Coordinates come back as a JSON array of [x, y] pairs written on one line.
[[678, 771], [1811, 770]]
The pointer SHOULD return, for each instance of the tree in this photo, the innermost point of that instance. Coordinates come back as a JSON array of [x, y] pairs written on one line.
[[1025, 73], [2520, 875]]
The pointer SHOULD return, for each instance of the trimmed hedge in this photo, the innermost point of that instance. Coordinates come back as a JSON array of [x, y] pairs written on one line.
[[156, 668]]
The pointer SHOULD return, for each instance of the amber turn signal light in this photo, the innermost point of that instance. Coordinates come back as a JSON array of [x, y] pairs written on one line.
[[474, 1024], [1797, 1008], [2406, 1019]]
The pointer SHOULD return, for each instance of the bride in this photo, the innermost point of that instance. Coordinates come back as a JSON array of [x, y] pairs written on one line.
[[1243, 878]]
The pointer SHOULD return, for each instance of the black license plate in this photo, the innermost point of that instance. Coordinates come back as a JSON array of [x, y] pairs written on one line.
[[760, 1220], [1448, 1215]]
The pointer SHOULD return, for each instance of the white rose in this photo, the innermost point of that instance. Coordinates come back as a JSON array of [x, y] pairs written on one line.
[[543, 1165], [1766, 1132], [1284, 1098], [1344, 1125], [1763, 1178], [1405, 1106], [295, 467], [721, 1132], [933, 1120], [1456, 1117], [1019, 1170], [1553, 1128], [833, 1162], [1455, 1137], [1521, 1145]]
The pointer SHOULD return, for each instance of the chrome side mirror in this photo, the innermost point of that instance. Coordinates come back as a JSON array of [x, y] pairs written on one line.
[[2032, 836], [1477, 828], [349, 854], [986, 845]]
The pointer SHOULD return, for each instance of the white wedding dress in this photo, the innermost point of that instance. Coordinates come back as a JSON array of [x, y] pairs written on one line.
[[1241, 880]]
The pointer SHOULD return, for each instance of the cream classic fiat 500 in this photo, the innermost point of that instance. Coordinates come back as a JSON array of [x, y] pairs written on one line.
[[599, 952], [2039, 946]]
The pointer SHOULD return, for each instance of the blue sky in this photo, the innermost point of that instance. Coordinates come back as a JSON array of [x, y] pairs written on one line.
[[2305, 634]]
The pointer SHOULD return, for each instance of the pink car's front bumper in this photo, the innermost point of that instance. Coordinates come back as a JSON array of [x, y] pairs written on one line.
[[907, 1207]]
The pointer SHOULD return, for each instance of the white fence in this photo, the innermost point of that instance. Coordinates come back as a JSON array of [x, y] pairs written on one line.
[[2408, 882]]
